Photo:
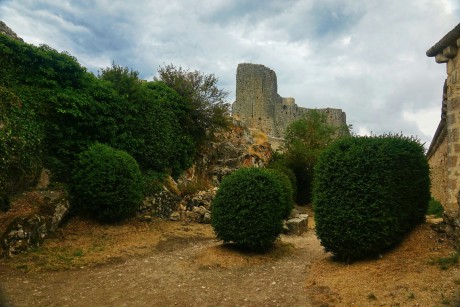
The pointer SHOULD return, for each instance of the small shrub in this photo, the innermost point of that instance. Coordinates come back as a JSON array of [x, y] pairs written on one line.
[[369, 192], [107, 183], [447, 262], [435, 208], [371, 296], [249, 207]]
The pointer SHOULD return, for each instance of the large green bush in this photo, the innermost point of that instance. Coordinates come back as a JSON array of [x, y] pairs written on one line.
[[368, 193], [107, 183], [70, 109], [288, 191], [249, 208]]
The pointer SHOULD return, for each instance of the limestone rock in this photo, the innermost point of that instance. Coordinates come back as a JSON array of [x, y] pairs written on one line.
[[4, 29], [161, 204], [297, 225], [175, 216], [196, 207], [28, 232], [43, 179], [232, 150]]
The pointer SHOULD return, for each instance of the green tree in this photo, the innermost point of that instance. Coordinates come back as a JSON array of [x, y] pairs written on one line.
[[203, 108], [305, 140], [152, 132]]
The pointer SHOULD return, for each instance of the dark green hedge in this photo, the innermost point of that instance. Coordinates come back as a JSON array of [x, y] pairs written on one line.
[[249, 207], [21, 138], [64, 109], [107, 184], [368, 193]]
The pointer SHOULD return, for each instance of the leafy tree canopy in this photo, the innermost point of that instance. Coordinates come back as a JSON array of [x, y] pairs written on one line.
[[305, 140], [203, 103]]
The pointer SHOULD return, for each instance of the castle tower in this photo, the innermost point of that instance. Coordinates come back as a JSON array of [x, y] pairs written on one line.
[[259, 105], [256, 96]]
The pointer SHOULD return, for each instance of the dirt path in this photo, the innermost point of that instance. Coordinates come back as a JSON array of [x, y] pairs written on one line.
[[161, 263], [179, 272]]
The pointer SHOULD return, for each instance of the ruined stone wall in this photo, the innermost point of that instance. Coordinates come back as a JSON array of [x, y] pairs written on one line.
[[447, 50], [438, 171], [453, 129], [256, 97], [259, 105]]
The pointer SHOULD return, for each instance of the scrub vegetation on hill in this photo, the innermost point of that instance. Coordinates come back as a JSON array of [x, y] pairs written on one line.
[[52, 109]]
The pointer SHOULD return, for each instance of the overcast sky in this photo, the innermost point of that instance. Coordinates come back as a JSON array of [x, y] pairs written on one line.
[[366, 57]]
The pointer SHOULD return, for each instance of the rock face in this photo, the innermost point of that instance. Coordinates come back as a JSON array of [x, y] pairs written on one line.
[[161, 205], [4, 29], [195, 207], [28, 232], [296, 224], [233, 149]]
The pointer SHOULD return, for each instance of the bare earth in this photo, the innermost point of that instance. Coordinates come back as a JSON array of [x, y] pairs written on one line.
[[158, 263]]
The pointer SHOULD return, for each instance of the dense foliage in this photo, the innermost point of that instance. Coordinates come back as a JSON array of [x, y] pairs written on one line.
[[151, 132], [305, 139], [107, 183], [368, 193], [249, 208], [278, 163], [52, 109], [435, 208], [288, 191], [20, 144], [203, 108]]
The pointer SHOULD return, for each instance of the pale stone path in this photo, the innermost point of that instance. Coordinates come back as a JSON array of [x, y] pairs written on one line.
[[178, 273]]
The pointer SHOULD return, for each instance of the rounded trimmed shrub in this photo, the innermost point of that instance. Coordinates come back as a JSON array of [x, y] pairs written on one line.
[[287, 189], [368, 193], [249, 207], [107, 183]]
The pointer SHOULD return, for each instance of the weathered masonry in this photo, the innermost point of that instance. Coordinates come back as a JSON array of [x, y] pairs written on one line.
[[259, 105], [444, 152]]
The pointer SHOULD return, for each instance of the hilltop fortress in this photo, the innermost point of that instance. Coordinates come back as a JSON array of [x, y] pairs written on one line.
[[259, 105]]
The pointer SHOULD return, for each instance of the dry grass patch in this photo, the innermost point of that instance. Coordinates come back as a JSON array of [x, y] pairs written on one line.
[[403, 277], [84, 243]]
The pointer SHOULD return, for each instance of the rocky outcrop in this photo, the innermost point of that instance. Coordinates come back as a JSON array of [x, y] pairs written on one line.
[[4, 29], [235, 148], [195, 208], [27, 232], [296, 225], [161, 205]]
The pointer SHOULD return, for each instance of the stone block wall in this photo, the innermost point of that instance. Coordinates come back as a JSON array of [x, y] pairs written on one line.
[[438, 172], [447, 50], [259, 105], [453, 129]]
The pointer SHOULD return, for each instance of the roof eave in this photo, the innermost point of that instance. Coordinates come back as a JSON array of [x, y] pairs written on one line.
[[450, 39]]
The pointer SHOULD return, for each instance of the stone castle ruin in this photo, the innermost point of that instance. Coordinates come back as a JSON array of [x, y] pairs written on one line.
[[444, 152], [259, 106]]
